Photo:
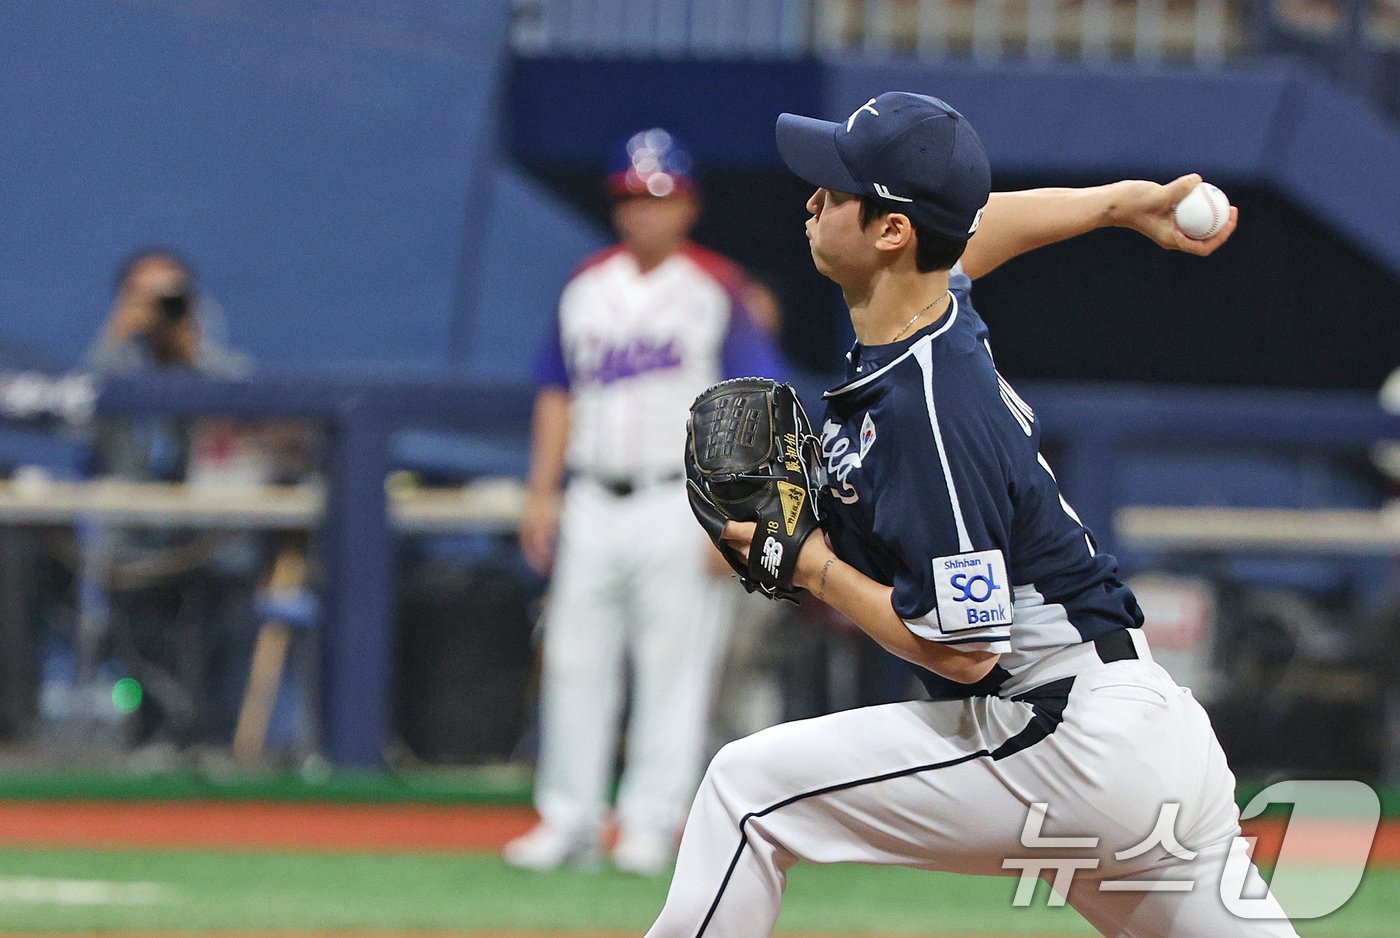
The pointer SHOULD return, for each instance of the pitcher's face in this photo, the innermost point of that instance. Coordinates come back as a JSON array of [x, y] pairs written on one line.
[[841, 249]]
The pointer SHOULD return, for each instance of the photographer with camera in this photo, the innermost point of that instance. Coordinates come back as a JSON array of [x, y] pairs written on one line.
[[181, 601], [158, 320]]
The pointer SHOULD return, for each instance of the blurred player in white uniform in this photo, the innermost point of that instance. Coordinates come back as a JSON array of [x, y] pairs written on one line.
[[642, 328]]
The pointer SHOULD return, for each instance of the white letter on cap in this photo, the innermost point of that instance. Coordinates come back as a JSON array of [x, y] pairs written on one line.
[[885, 193], [867, 106]]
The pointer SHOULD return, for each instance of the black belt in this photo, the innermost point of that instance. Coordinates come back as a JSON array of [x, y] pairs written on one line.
[[625, 487], [1116, 646]]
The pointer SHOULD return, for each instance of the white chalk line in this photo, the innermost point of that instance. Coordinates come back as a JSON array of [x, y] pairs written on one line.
[[39, 890]]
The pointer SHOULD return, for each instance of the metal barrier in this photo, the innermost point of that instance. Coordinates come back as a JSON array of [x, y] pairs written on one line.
[[664, 28], [1146, 31], [1089, 425], [1354, 41], [360, 416]]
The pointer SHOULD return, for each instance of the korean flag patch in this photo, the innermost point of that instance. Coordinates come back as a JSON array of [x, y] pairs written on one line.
[[867, 435], [973, 591]]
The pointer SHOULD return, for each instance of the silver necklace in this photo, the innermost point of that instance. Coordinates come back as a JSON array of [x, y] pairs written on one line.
[[912, 320]]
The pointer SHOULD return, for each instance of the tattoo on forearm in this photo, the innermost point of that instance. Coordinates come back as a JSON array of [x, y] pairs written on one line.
[[826, 568]]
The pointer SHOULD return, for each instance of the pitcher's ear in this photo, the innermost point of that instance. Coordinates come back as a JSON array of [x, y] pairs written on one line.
[[896, 231]]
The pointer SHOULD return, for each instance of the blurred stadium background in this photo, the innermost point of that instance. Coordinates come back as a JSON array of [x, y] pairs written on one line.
[[385, 199]]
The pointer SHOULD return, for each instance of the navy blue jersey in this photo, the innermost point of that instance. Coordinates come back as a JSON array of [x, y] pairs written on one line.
[[936, 486]]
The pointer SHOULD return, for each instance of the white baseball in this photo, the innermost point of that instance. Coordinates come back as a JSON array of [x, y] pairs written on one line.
[[1203, 212]]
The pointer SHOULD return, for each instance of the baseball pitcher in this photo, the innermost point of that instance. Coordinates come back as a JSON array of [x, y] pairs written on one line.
[[919, 505]]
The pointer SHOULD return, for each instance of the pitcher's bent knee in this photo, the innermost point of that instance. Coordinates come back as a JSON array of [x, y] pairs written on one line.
[[736, 759], [742, 771]]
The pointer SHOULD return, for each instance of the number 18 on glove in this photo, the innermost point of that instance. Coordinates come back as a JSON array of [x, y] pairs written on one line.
[[751, 455]]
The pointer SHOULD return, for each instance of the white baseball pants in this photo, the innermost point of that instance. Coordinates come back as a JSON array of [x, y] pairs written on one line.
[[627, 588], [949, 785]]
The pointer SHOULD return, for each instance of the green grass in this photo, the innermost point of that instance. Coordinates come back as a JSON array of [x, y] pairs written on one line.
[[259, 890], [489, 785]]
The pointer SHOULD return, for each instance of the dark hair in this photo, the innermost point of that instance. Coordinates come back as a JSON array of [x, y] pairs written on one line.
[[931, 251], [135, 259]]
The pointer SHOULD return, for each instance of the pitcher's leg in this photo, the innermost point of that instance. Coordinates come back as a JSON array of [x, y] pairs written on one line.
[[1183, 778], [732, 868], [1187, 904], [909, 784]]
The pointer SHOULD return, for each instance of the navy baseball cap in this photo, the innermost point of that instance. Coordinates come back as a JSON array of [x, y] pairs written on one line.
[[911, 153]]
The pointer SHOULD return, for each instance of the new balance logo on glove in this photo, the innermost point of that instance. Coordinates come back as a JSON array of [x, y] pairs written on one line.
[[772, 556]]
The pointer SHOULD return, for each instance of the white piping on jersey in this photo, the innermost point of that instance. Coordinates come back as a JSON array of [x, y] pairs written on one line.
[[1008, 390], [1088, 542], [1020, 417], [923, 354], [1019, 408], [924, 342]]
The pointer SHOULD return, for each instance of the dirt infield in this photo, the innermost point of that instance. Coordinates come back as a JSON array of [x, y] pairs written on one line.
[[365, 934], [212, 825], [418, 828], [451, 934]]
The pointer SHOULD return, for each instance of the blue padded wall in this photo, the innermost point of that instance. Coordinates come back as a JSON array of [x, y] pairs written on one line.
[[1276, 125], [319, 161], [519, 278]]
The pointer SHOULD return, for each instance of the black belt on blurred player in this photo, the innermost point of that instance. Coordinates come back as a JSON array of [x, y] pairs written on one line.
[[621, 488]]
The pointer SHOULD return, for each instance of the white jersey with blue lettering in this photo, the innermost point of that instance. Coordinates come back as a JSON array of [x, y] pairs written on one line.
[[634, 349]]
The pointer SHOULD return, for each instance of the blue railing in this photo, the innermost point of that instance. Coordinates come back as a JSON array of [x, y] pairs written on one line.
[[1093, 429], [1088, 424], [359, 418]]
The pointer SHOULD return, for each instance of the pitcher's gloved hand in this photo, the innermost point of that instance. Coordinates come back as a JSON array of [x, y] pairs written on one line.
[[751, 456]]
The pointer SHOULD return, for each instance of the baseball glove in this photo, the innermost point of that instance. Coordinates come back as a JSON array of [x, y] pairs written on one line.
[[751, 455]]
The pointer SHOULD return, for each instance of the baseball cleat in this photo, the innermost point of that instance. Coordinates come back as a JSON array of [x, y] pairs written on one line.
[[550, 848], [646, 854]]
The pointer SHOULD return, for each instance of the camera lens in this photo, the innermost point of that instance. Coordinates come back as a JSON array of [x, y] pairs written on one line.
[[174, 307]]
